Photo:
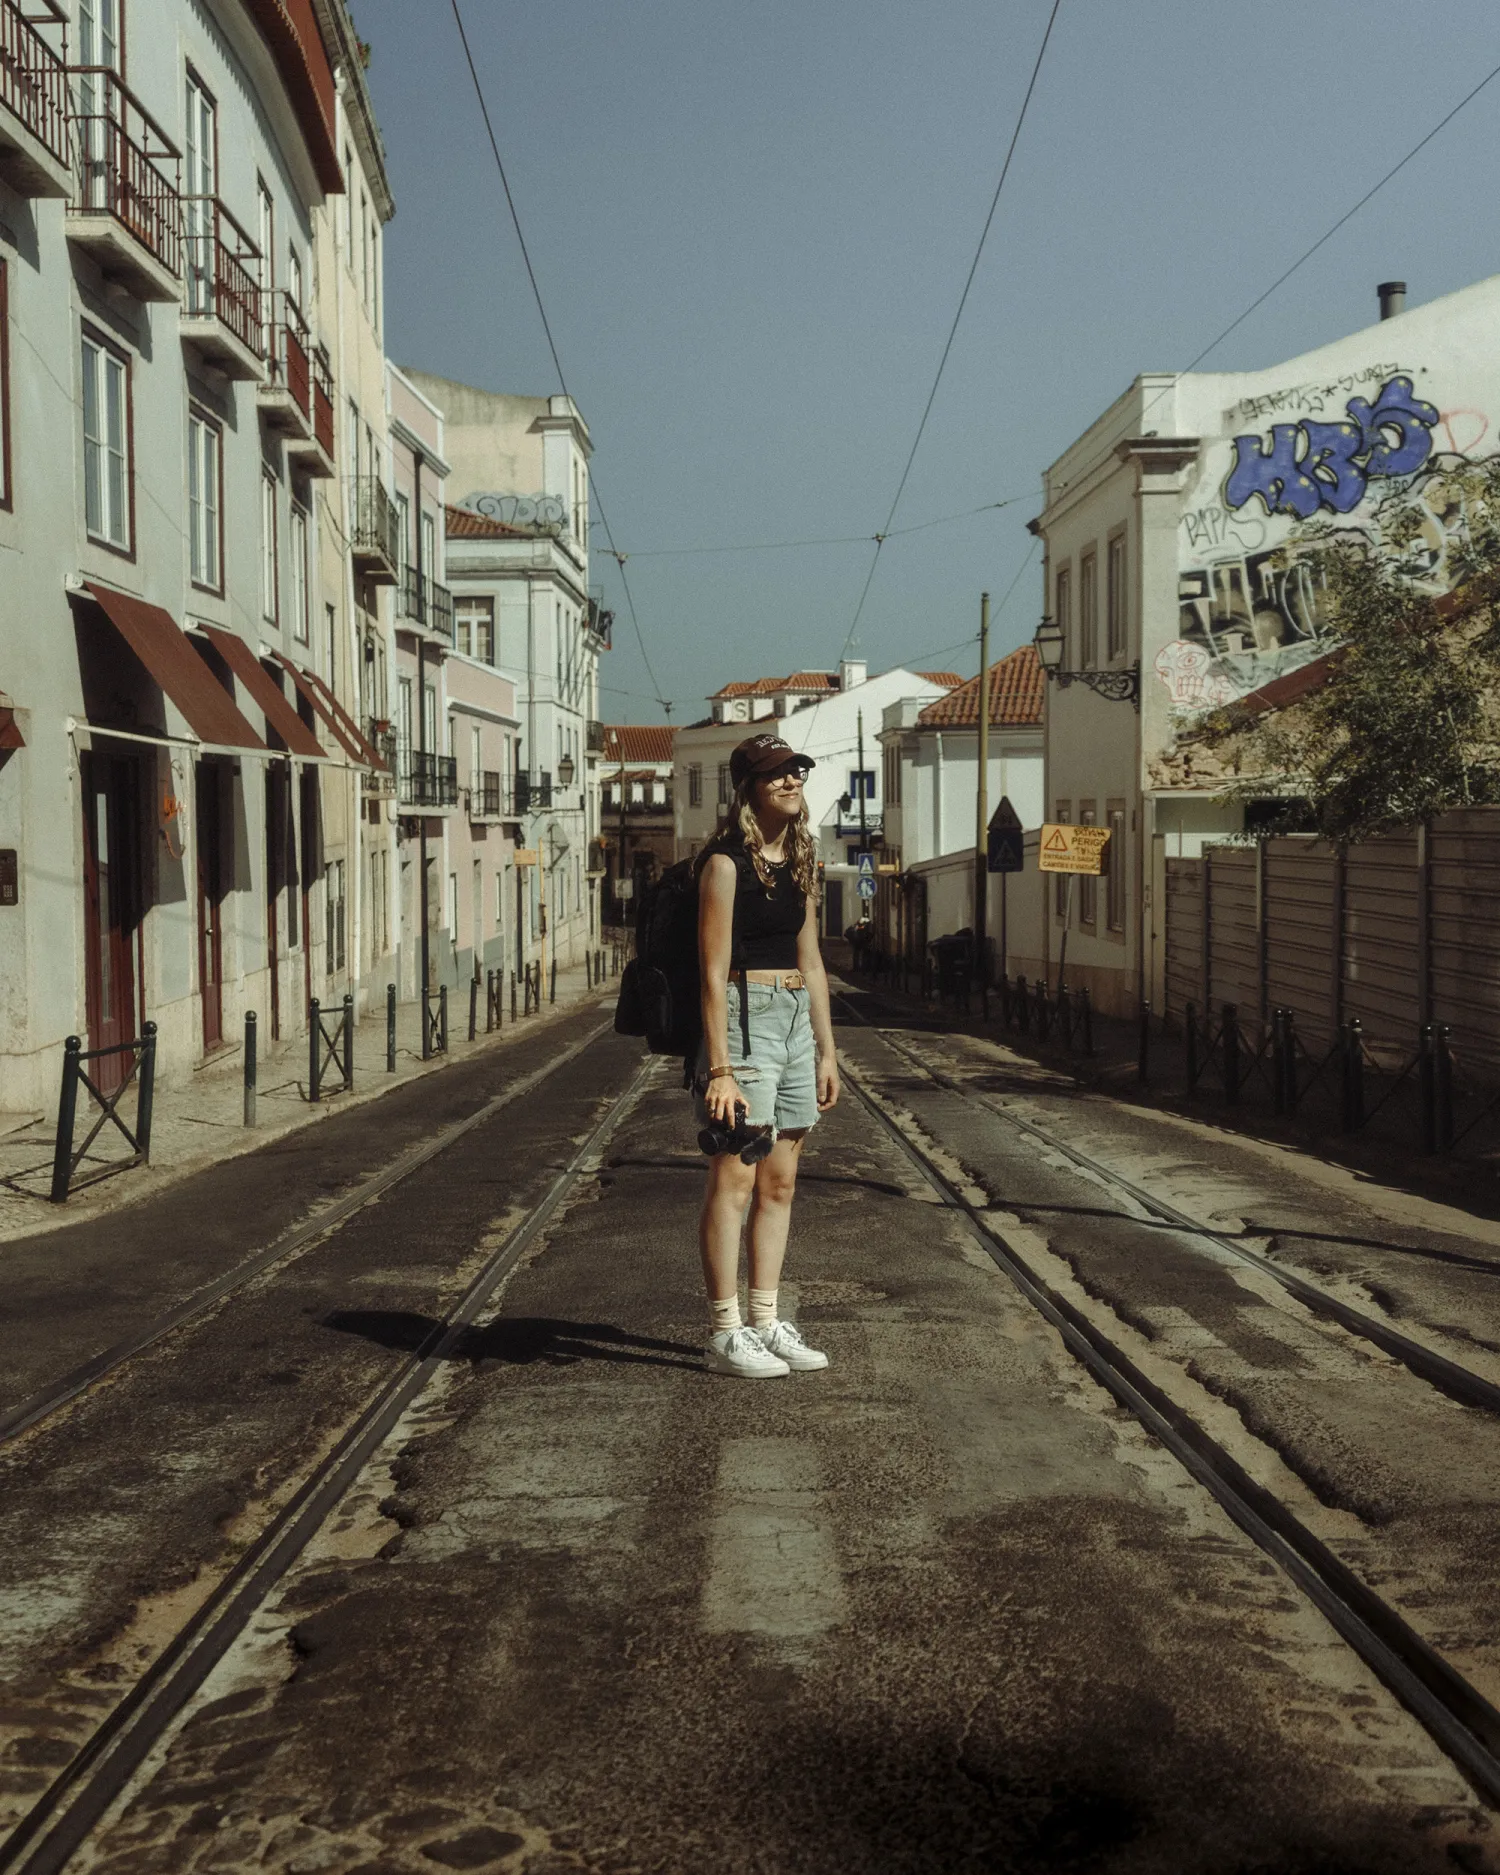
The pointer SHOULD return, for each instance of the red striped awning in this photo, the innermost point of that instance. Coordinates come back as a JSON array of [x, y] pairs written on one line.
[[279, 714], [162, 646]]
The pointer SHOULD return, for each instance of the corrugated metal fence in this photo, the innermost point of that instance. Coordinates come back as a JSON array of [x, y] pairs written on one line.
[[1396, 932]]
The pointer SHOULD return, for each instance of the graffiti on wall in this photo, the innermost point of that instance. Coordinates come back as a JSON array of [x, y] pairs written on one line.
[[1311, 464], [1252, 598]]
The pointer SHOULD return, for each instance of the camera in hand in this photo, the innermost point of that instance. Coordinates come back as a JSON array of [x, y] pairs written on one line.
[[752, 1143]]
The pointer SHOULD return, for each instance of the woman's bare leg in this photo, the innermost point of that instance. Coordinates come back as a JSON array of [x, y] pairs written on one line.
[[730, 1182], [771, 1210]]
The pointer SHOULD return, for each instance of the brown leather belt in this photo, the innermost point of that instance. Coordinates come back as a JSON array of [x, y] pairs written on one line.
[[777, 979]]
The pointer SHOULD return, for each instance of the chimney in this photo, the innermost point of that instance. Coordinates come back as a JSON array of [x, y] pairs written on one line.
[[1392, 298], [851, 672]]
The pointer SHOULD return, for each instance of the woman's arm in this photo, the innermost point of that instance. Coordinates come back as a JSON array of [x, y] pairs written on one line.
[[810, 963], [716, 884]]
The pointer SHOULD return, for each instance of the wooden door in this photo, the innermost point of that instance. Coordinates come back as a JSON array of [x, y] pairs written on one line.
[[112, 858], [209, 831]]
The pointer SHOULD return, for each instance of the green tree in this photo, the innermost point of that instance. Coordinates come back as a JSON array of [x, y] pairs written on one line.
[[1406, 723]]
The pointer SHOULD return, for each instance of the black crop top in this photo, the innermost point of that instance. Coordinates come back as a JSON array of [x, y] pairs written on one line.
[[766, 924]]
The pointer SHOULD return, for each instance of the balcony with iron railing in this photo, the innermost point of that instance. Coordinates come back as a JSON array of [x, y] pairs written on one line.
[[126, 211], [285, 394], [525, 796], [593, 737], [381, 737], [35, 146], [374, 532], [222, 310], [600, 623], [486, 797], [426, 604], [313, 452], [427, 780]]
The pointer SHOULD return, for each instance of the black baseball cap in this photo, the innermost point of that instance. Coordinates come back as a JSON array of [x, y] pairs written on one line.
[[763, 755]]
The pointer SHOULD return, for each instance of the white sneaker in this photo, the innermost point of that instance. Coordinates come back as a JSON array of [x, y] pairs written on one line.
[[784, 1340], [740, 1351]]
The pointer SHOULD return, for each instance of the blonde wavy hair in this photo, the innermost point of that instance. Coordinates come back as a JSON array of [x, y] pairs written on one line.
[[739, 823]]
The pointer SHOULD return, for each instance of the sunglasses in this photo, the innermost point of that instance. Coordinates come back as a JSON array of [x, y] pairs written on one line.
[[793, 771]]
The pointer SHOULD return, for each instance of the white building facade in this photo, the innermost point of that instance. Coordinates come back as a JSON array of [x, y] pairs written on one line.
[[1174, 557]]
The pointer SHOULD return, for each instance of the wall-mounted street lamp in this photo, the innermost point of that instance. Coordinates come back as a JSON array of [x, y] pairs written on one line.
[[565, 771], [1118, 686]]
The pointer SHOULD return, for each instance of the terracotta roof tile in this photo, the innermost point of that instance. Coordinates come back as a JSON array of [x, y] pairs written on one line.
[[1017, 686], [638, 742], [947, 680], [774, 686], [463, 525]]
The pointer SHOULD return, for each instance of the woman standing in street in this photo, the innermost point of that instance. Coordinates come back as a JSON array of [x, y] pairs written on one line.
[[767, 1045]]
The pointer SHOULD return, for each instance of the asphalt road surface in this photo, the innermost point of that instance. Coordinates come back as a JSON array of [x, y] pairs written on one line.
[[944, 1607]]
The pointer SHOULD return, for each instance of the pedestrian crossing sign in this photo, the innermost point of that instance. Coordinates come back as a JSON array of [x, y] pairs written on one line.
[[867, 865], [1072, 849]]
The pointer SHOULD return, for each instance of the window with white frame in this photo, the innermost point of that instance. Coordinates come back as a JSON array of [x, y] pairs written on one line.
[[474, 628], [297, 568], [270, 552], [1114, 866], [1065, 612], [1088, 611], [725, 791], [106, 443], [695, 784], [1115, 598], [205, 501], [476, 756]]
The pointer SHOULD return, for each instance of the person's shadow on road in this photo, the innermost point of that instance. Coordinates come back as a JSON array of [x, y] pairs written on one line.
[[515, 1340]]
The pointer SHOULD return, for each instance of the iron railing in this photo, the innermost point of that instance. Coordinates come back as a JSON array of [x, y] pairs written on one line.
[[374, 532], [382, 739], [526, 795], [33, 81], [119, 152], [428, 603], [428, 780], [600, 622], [290, 354], [322, 387], [593, 737], [223, 272], [140, 1069], [484, 796]]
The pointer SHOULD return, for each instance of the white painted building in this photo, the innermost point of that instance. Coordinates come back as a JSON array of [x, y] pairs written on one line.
[[518, 565], [821, 714], [1170, 529], [182, 772]]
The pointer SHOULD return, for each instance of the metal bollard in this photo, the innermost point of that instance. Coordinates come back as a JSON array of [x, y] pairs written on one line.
[[145, 1100], [473, 1007], [1088, 1020], [348, 1041], [443, 1018], [1278, 1059], [552, 983], [512, 995], [1190, 1043], [1354, 1075], [250, 1067], [314, 1049], [1023, 1005], [1289, 1058], [390, 1028], [67, 1111], [1229, 1038], [1143, 1048], [1427, 1079], [588, 970]]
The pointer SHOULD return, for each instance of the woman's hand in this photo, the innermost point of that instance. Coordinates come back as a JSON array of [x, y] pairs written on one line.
[[828, 1082], [722, 1097]]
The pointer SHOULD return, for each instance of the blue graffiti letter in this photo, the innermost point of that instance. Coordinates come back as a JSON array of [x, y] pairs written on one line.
[[1331, 449], [1274, 474], [1396, 408]]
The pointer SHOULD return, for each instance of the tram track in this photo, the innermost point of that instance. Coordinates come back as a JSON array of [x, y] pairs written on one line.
[[66, 1813], [1450, 1377], [45, 1402], [1454, 1712]]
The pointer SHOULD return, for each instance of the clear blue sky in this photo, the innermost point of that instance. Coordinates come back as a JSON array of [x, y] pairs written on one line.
[[751, 224]]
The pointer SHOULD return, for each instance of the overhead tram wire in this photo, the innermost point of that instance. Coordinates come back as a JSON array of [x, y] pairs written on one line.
[[1282, 278], [536, 290], [963, 300], [826, 540]]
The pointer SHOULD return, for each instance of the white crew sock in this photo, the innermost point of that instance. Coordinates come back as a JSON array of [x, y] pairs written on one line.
[[725, 1315], [762, 1307]]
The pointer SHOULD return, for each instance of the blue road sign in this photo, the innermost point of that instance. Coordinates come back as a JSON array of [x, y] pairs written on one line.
[[1006, 847], [866, 866], [866, 886]]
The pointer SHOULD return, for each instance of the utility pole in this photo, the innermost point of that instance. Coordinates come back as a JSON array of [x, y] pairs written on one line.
[[423, 769], [864, 838], [982, 828]]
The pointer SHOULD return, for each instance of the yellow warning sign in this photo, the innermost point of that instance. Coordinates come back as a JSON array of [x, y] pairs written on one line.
[[1072, 849], [526, 855]]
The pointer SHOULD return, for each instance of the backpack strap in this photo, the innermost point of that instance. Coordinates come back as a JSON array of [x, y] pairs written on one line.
[[745, 1011]]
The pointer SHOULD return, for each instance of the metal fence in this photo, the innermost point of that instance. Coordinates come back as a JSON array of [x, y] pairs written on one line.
[[140, 1071]]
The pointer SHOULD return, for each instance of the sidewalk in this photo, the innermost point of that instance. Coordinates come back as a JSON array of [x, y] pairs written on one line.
[[1388, 1149], [201, 1120]]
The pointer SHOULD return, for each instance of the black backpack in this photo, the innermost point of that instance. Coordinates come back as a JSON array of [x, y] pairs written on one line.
[[659, 989]]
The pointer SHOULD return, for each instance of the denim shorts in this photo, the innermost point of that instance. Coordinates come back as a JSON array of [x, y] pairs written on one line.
[[778, 1077]]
